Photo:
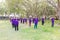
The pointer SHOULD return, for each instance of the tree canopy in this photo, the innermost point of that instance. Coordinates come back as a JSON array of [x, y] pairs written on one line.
[[29, 7]]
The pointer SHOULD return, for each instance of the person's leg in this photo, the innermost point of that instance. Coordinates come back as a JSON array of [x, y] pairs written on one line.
[[21, 21], [42, 22], [35, 26], [52, 24], [17, 28]]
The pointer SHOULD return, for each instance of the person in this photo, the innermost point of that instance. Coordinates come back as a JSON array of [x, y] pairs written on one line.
[[25, 20], [43, 18], [52, 21], [16, 23], [30, 20], [35, 22], [12, 21], [21, 20]]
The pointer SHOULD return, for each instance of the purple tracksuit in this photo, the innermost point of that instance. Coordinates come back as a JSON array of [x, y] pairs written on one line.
[[15, 23], [12, 22], [21, 20], [35, 22], [42, 21], [25, 20], [30, 21], [52, 20]]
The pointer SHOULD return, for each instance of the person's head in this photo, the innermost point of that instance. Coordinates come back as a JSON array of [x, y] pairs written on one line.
[[43, 16], [30, 16]]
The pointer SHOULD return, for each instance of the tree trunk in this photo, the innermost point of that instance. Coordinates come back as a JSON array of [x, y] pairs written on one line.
[[58, 10]]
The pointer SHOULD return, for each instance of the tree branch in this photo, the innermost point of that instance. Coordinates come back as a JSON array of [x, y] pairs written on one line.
[[52, 3]]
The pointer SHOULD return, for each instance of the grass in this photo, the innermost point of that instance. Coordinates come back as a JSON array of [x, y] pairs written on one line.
[[25, 32]]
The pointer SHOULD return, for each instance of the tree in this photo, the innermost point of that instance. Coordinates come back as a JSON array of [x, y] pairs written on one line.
[[31, 7], [13, 6], [56, 5]]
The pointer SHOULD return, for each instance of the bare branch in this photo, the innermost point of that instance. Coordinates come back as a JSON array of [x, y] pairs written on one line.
[[52, 3]]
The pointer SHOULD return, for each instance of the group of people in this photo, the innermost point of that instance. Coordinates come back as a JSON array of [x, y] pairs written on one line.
[[15, 21], [51, 18]]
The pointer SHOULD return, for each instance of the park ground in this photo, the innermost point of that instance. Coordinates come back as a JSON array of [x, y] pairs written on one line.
[[25, 32]]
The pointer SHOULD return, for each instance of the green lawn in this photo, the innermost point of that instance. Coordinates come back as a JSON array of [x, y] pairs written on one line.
[[25, 32]]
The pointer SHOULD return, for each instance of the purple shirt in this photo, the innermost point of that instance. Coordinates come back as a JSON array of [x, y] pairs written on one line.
[[21, 20], [52, 20], [14, 21], [42, 19], [35, 20], [30, 20], [24, 20]]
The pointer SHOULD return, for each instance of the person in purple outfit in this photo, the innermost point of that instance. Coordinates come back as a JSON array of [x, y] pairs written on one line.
[[35, 22], [23, 20], [12, 21], [43, 19], [26, 20], [52, 21], [30, 21], [15, 23]]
